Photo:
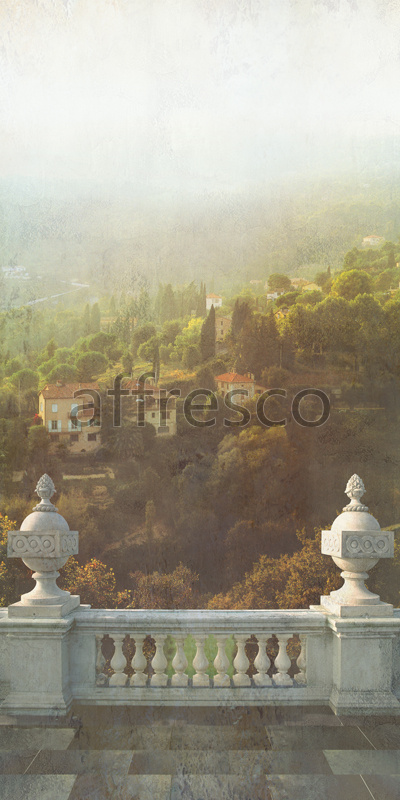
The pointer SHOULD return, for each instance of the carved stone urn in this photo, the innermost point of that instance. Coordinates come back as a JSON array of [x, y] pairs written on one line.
[[45, 544], [356, 543]]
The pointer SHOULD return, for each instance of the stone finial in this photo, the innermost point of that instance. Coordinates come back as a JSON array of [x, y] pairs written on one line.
[[45, 489], [355, 489]]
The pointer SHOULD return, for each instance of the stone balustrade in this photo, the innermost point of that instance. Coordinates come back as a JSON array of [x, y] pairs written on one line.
[[345, 652], [199, 656]]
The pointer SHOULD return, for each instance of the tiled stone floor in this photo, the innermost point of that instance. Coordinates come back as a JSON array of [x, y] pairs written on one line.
[[200, 754]]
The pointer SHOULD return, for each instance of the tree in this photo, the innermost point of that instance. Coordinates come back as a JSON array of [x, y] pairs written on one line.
[[177, 589], [351, 283], [278, 282], [258, 345], [90, 365], [241, 314], [95, 318], [94, 582], [14, 575], [391, 261], [62, 372], [310, 298], [207, 336], [86, 320], [142, 334], [24, 379], [290, 581], [38, 445], [170, 331], [148, 350], [191, 356]]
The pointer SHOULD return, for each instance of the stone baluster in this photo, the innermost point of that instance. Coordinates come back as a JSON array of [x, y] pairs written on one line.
[[101, 677], [262, 662], [221, 664], [159, 662], [139, 663], [179, 663], [118, 662], [301, 662], [200, 663], [241, 663], [282, 662]]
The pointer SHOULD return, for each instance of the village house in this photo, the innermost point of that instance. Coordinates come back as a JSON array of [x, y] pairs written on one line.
[[311, 287], [230, 381], [222, 327], [274, 295], [152, 406], [57, 410], [213, 300], [372, 241], [298, 283]]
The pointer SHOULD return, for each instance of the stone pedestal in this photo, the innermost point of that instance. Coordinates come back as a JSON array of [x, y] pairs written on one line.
[[363, 666], [40, 624], [363, 626], [39, 672]]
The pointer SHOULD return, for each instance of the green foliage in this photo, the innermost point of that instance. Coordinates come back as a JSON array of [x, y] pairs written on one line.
[[62, 372], [207, 336], [170, 331], [95, 318], [258, 346], [148, 350], [90, 365], [351, 283], [278, 282], [24, 379], [287, 299], [13, 573], [12, 366], [191, 356], [310, 298], [142, 334]]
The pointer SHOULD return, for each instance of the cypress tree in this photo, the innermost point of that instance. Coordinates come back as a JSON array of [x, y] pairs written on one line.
[[207, 336]]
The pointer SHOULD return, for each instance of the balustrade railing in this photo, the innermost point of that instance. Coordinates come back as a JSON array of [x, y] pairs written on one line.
[[344, 652], [199, 655]]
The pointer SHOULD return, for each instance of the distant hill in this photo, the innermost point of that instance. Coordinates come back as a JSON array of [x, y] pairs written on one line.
[[295, 227]]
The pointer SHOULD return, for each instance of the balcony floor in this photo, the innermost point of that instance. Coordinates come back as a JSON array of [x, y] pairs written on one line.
[[130, 753]]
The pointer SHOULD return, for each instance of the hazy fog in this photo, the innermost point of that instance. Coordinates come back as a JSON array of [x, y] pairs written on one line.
[[178, 95], [176, 137]]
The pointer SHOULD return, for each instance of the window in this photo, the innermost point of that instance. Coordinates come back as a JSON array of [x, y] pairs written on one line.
[[92, 437], [41, 406], [74, 437], [54, 425], [54, 408], [153, 413]]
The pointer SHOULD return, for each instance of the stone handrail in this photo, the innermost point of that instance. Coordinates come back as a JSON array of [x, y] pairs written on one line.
[[55, 652]]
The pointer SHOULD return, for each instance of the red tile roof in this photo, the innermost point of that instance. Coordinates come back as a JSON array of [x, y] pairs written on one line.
[[233, 377], [218, 296], [66, 390]]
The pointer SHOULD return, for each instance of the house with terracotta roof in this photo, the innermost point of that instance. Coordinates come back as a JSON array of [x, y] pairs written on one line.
[[213, 300], [372, 241], [58, 411], [230, 381]]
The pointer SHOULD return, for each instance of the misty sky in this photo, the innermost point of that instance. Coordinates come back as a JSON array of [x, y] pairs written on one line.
[[177, 94]]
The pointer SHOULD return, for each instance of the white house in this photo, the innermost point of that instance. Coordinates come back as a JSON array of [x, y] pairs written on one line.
[[213, 300]]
